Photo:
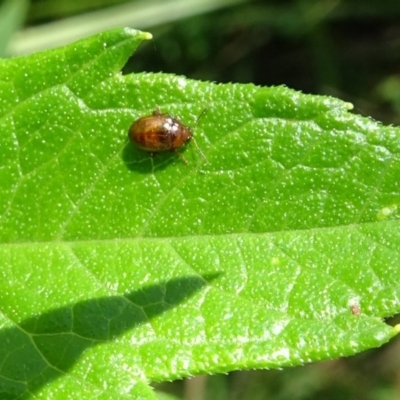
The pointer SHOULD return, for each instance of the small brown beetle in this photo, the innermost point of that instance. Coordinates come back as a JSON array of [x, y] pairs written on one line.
[[160, 132], [355, 309]]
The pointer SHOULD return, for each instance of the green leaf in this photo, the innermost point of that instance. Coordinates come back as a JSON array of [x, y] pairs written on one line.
[[119, 269]]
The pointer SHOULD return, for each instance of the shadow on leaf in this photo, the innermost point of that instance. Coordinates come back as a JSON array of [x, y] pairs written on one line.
[[144, 163], [45, 347]]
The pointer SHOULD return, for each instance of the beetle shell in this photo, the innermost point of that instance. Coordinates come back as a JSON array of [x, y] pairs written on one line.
[[159, 133]]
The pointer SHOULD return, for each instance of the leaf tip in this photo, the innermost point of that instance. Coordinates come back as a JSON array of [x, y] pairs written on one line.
[[140, 34], [396, 330], [349, 106]]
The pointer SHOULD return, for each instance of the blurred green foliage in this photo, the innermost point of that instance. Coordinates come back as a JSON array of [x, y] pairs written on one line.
[[49, 10], [12, 15]]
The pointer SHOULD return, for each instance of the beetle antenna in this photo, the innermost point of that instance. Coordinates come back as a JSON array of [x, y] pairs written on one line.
[[183, 159], [201, 115], [199, 150]]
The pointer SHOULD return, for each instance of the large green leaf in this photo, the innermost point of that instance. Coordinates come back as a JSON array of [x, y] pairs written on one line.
[[118, 268]]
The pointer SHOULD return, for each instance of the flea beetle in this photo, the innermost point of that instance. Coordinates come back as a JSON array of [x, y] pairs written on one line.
[[158, 133]]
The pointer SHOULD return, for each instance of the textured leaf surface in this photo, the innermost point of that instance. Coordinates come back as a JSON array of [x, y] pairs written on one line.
[[118, 269]]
